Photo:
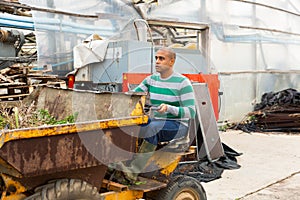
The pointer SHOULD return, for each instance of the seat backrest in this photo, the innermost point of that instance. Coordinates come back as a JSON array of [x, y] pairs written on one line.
[[212, 146]]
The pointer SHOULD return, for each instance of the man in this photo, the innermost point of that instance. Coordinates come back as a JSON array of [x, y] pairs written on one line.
[[173, 95]]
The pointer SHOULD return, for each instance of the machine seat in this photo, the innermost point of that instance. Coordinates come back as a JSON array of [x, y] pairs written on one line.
[[176, 145]]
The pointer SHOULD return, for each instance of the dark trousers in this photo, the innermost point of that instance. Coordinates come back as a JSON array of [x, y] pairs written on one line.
[[162, 131]]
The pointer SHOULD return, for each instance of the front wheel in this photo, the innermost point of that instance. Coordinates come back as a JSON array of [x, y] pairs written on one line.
[[66, 189], [182, 188]]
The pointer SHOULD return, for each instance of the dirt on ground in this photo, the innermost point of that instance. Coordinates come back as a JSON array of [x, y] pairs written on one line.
[[270, 168], [282, 190]]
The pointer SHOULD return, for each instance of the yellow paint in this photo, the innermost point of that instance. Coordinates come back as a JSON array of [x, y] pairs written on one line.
[[70, 128], [14, 197], [128, 195], [139, 107], [8, 169], [165, 161], [18, 194], [170, 168]]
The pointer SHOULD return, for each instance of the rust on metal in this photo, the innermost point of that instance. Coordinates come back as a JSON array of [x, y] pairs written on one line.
[[13, 189], [177, 24], [105, 132], [9, 135], [48, 157], [6, 168], [89, 106], [128, 195], [113, 186], [149, 185], [132, 192], [92, 175], [277, 111]]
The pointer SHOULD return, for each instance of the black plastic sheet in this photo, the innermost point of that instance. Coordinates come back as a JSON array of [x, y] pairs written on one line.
[[277, 112], [206, 171]]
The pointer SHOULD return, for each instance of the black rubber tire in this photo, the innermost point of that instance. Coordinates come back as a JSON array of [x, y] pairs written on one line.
[[181, 188], [64, 189]]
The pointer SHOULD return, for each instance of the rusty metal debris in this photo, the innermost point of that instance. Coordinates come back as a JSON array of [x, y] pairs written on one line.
[[19, 75], [17, 82], [15, 8], [278, 111]]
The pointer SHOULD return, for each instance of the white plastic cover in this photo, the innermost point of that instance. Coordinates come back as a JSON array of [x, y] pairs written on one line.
[[57, 34], [89, 52]]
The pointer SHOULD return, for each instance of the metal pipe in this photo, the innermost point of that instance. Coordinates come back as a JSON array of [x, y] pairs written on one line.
[[267, 6], [189, 162], [16, 24], [261, 72], [269, 30], [47, 10], [16, 18], [259, 38], [51, 21], [49, 24], [152, 42], [17, 59], [219, 32]]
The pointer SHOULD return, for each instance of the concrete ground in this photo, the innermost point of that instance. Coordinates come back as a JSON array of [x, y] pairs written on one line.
[[270, 168]]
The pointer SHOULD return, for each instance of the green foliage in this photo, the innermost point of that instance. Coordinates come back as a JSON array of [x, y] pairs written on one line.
[[44, 117], [25, 117], [3, 122], [224, 127], [252, 118]]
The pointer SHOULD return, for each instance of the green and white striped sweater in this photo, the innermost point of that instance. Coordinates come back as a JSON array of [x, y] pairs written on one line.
[[176, 91]]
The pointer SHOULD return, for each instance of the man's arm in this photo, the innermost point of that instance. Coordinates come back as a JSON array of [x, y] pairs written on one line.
[[143, 86]]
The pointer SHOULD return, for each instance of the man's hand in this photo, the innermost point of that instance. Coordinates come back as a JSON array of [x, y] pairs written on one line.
[[162, 108]]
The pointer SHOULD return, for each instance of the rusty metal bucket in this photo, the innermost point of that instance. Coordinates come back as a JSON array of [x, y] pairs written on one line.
[[106, 131]]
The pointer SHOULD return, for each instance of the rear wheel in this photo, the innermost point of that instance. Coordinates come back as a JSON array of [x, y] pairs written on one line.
[[181, 188], [66, 189]]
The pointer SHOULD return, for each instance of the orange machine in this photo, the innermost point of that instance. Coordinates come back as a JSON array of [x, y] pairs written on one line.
[[212, 81]]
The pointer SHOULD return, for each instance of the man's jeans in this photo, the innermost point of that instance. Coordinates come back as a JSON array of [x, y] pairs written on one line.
[[162, 131]]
